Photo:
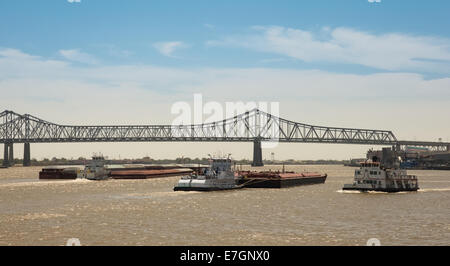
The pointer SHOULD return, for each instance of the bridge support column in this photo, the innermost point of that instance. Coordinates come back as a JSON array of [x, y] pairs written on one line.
[[448, 148], [257, 153], [5, 156], [8, 155], [26, 155], [11, 154]]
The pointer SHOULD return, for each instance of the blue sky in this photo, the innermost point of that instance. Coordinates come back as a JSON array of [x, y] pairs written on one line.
[[118, 31], [326, 63]]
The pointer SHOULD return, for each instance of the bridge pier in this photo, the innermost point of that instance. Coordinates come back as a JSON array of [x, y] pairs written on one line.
[[257, 153], [5, 156], [8, 155], [11, 154], [26, 155]]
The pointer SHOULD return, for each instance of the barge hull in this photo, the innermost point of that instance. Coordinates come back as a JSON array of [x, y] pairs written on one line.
[[146, 174], [204, 189], [280, 183], [388, 190], [57, 173]]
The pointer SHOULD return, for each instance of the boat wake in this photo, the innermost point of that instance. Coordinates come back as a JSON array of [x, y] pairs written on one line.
[[349, 191], [153, 195], [434, 189], [425, 190], [44, 183], [368, 192]]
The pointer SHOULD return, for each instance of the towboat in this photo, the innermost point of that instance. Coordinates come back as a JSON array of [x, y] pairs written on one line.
[[95, 169], [373, 176], [218, 176]]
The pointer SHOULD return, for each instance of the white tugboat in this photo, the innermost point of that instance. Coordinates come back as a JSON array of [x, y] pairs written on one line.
[[95, 169], [218, 176], [385, 176]]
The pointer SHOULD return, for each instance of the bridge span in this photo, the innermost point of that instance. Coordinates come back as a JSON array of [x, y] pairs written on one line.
[[253, 126]]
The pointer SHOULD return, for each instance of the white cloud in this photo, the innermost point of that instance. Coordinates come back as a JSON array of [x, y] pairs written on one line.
[[168, 48], [74, 1], [77, 56], [393, 51], [374, 1]]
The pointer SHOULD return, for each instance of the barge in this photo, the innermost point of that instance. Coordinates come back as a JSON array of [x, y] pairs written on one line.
[[269, 179], [148, 173], [58, 173], [97, 169]]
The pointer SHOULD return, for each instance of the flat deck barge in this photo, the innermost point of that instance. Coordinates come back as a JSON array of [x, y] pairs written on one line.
[[249, 179], [58, 173], [147, 173], [121, 172]]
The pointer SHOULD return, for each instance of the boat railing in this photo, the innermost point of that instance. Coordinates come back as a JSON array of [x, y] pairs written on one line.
[[404, 177]]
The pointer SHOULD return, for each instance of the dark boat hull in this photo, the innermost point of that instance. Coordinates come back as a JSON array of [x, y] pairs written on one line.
[[281, 182], [49, 174], [388, 190], [202, 189], [147, 174]]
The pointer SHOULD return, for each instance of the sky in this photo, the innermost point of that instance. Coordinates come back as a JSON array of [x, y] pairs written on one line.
[[380, 64]]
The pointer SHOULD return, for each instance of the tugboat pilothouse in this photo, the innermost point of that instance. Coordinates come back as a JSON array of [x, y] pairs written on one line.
[[218, 176], [374, 176], [95, 169]]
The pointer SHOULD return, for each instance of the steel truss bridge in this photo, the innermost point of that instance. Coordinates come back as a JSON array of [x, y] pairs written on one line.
[[253, 126]]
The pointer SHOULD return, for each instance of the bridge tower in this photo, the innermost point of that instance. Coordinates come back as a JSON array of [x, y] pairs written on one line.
[[11, 154], [8, 155], [257, 153], [26, 155], [5, 156]]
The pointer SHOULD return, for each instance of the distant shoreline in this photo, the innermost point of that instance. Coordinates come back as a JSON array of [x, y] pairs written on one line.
[[203, 161]]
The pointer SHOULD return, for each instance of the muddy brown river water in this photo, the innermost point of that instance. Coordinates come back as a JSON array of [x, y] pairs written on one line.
[[148, 212]]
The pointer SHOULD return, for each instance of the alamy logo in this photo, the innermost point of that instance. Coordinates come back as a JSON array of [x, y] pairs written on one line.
[[216, 120], [73, 242], [373, 242]]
